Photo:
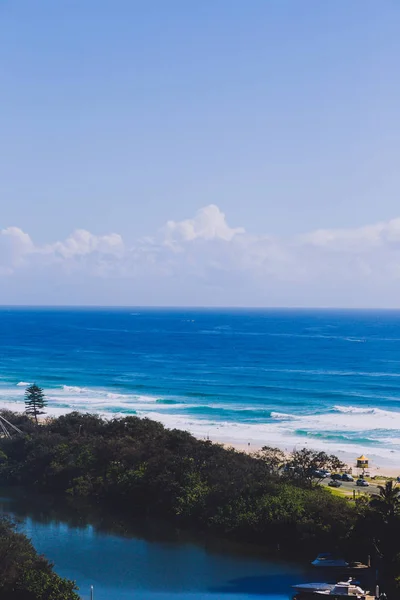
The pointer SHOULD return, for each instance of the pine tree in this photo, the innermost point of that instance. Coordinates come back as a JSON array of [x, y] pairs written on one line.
[[35, 401]]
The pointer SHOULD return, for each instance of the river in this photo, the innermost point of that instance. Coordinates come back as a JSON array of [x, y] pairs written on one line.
[[148, 560]]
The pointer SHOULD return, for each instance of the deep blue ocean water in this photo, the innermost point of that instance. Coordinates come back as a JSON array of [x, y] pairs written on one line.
[[327, 379]]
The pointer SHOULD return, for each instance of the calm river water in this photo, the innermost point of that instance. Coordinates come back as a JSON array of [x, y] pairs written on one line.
[[147, 562]]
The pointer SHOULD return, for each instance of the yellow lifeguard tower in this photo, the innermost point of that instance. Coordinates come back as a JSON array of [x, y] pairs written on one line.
[[362, 463]]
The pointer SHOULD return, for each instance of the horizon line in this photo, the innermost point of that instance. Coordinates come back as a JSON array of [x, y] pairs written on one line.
[[194, 307]]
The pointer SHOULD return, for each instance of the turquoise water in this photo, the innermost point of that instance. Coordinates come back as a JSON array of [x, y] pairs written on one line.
[[150, 562], [329, 379]]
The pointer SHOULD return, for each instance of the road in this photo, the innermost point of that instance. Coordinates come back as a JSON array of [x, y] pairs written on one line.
[[349, 486]]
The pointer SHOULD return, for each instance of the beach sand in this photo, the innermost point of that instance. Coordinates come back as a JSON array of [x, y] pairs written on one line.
[[376, 469]]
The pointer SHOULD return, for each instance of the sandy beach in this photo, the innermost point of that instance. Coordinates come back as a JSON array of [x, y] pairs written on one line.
[[376, 469], [378, 465]]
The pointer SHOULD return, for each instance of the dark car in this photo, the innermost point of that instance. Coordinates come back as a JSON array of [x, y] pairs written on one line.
[[347, 477], [319, 474], [336, 477], [362, 483], [334, 483]]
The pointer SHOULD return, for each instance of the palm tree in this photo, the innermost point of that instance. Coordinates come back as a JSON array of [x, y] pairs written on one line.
[[388, 499]]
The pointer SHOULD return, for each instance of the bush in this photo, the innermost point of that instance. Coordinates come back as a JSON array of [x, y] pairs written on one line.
[[24, 575]]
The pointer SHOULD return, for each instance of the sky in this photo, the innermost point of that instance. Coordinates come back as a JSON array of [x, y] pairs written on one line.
[[214, 153]]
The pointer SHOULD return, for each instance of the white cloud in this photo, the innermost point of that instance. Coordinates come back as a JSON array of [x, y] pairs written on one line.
[[81, 250], [15, 245], [359, 239], [355, 266], [209, 223], [83, 243]]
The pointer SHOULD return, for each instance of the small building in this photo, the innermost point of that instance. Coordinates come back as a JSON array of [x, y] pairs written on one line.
[[362, 463]]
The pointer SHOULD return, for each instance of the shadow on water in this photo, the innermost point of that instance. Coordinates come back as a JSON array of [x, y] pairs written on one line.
[[259, 586], [77, 514], [146, 558], [45, 509]]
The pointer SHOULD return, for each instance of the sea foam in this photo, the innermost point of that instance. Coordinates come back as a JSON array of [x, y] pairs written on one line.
[[74, 389], [317, 378]]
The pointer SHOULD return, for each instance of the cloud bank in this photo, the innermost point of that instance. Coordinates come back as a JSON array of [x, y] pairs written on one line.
[[203, 260]]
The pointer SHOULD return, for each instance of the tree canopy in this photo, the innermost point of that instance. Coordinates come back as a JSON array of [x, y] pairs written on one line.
[[304, 464]]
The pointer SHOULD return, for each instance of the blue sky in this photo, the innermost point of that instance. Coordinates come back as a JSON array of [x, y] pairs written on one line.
[[249, 127]]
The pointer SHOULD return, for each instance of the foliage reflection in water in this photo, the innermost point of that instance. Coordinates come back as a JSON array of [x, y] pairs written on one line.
[[146, 560]]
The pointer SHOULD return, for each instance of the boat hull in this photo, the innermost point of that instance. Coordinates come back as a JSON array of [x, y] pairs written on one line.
[[311, 588]]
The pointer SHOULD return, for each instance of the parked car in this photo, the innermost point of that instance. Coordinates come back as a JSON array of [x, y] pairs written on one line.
[[347, 477], [319, 474], [334, 483], [326, 472], [362, 483], [336, 477]]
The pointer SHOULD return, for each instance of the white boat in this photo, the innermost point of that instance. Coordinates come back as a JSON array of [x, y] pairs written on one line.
[[345, 590], [327, 560], [312, 588]]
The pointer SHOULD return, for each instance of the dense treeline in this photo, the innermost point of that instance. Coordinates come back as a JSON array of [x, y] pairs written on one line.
[[143, 468], [138, 466], [24, 575]]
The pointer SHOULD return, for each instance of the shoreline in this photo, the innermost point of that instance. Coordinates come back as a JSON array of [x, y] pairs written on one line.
[[338, 428], [378, 465]]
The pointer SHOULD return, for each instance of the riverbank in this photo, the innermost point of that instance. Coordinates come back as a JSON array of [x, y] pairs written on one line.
[[170, 474], [143, 470], [145, 559], [24, 572]]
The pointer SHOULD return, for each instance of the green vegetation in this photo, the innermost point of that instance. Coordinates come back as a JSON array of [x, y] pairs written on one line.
[[141, 468], [35, 401], [388, 500], [305, 463], [24, 575], [138, 467]]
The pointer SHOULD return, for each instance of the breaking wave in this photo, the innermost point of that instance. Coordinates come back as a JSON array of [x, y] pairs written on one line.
[[283, 416], [357, 410], [74, 389]]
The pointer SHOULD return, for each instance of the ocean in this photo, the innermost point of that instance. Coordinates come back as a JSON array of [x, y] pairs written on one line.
[[292, 378]]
